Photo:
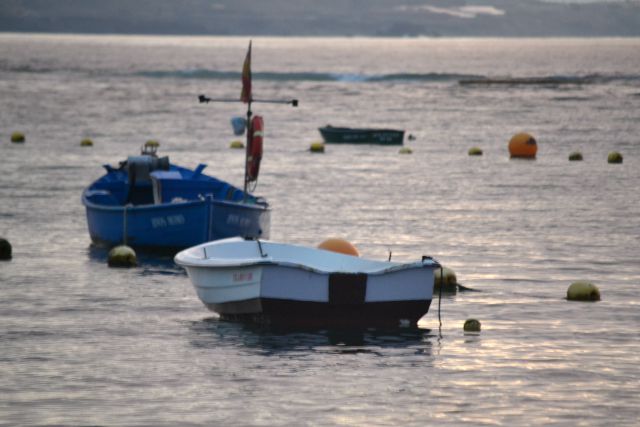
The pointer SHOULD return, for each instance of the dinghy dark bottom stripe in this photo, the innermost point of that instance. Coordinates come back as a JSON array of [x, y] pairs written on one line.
[[305, 313]]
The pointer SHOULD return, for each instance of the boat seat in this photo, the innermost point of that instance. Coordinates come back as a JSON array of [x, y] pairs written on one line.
[[157, 179]]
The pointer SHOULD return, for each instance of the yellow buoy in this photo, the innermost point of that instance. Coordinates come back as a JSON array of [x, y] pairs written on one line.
[[339, 245], [405, 150], [122, 256], [614, 157], [475, 151], [523, 145], [472, 325], [17, 137], [236, 144], [317, 147], [86, 143], [576, 156], [5, 249], [583, 291], [446, 278]]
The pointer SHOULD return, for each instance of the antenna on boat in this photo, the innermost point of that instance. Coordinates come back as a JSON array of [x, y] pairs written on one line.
[[253, 154]]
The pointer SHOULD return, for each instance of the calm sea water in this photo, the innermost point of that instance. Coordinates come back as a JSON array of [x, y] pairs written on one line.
[[83, 344]]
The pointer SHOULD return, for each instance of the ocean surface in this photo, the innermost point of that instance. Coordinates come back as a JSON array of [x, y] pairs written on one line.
[[84, 344]]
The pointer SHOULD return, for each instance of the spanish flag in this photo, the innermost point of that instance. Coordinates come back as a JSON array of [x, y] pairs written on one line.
[[245, 96]]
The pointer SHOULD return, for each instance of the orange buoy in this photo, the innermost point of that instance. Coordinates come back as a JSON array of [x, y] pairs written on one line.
[[523, 145], [340, 246]]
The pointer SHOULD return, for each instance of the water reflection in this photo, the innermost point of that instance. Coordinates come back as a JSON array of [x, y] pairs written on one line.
[[268, 340]]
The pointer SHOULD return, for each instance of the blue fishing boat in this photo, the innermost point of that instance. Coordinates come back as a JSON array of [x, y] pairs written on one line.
[[147, 202]]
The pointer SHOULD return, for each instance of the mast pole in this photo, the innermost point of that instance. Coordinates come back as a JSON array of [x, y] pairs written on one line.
[[246, 151]]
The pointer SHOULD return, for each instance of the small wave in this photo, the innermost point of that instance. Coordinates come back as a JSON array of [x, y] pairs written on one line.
[[307, 76], [25, 69], [572, 98], [460, 78], [548, 80]]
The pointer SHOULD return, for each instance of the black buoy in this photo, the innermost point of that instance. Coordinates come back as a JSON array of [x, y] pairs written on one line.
[[5, 249], [472, 325], [576, 156]]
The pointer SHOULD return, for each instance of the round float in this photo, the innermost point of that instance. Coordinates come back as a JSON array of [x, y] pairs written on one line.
[[583, 291], [576, 156], [475, 151], [5, 249], [122, 256], [316, 147], [614, 157], [339, 245], [17, 137], [472, 325], [446, 278], [523, 145]]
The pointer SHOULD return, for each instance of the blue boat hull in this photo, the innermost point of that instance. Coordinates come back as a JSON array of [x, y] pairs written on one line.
[[175, 225], [149, 203]]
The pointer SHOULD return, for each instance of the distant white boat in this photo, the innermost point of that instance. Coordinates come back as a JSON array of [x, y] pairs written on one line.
[[276, 283]]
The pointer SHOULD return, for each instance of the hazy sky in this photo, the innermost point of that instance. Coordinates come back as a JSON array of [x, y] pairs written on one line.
[[327, 17]]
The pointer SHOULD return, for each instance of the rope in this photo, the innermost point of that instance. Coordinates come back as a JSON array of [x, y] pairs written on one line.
[[124, 227], [440, 299]]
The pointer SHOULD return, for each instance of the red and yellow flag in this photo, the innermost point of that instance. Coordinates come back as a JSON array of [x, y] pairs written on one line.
[[245, 96]]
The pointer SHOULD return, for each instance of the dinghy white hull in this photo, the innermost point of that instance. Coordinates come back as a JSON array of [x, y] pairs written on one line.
[[275, 283]]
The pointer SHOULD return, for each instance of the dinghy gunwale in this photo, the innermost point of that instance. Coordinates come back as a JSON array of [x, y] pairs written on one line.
[[196, 257]]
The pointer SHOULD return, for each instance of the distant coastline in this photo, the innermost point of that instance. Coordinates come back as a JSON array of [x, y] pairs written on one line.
[[331, 18], [310, 37]]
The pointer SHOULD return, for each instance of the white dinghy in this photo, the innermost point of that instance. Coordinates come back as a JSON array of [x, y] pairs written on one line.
[[277, 283]]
